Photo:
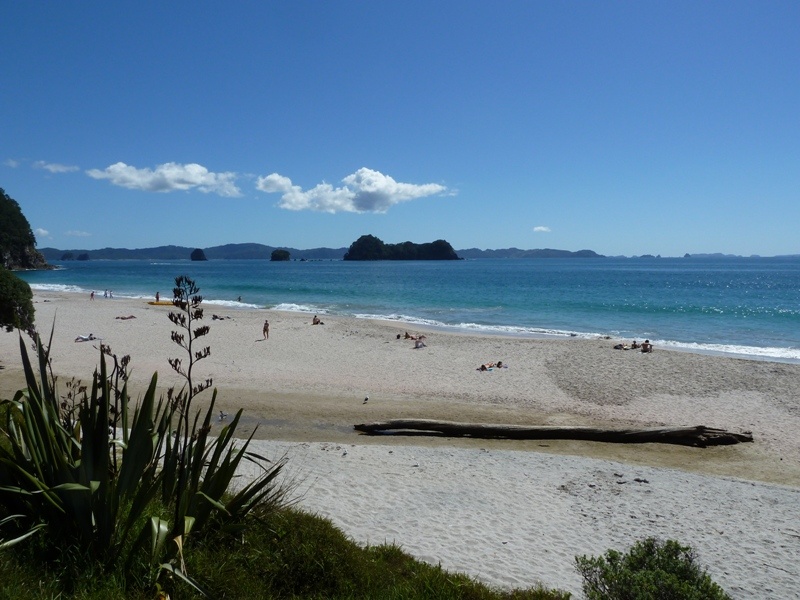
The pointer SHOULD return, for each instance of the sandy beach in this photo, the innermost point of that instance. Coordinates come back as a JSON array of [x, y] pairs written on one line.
[[508, 512]]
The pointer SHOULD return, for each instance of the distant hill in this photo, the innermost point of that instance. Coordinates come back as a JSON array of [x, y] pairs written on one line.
[[263, 252], [226, 252], [517, 253]]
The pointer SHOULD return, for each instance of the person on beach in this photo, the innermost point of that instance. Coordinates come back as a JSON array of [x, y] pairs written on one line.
[[419, 343], [316, 321], [91, 296], [647, 346], [489, 366], [85, 338], [158, 296], [635, 344], [265, 330]]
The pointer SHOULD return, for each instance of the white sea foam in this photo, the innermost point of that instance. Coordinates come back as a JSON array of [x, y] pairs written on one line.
[[751, 352], [303, 308], [781, 354], [231, 303], [57, 287]]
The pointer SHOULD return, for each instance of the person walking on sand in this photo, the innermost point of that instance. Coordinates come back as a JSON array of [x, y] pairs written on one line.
[[158, 297], [265, 331]]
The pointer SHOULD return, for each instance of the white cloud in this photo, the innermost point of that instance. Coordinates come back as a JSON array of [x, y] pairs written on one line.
[[541, 229], [41, 232], [54, 167], [169, 177], [363, 191], [74, 233], [10, 162]]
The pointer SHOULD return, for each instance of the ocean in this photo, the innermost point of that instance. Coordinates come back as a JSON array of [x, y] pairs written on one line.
[[747, 307]]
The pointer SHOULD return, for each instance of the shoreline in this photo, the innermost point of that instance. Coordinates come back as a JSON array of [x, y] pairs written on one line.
[[769, 354]]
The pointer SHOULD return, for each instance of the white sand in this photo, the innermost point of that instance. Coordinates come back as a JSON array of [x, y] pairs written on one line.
[[513, 518], [509, 513]]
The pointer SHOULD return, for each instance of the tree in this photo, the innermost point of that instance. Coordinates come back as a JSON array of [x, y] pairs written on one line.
[[17, 242], [16, 302], [280, 255]]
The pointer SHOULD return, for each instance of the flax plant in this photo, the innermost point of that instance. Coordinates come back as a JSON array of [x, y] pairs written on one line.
[[102, 480]]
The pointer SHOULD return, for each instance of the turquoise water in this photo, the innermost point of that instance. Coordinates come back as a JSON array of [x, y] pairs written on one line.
[[742, 306]]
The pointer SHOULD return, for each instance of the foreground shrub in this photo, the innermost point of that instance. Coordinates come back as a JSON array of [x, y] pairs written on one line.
[[118, 488], [16, 302], [650, 570]]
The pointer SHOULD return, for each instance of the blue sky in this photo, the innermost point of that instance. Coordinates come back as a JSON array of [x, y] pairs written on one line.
[[622, 127]]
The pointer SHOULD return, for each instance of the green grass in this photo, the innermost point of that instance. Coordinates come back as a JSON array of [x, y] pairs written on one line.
[[281, 554]]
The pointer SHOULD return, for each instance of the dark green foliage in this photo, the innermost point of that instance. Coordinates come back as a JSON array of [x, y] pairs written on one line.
[[280, 255], [16, 302], [368, 247], [67, 256], [280, 554], [650, 570], [17, 242], [198, 254], [83, 256]]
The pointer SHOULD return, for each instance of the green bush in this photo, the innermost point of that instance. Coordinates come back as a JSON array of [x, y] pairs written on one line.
[[651, 570], [16, 302]]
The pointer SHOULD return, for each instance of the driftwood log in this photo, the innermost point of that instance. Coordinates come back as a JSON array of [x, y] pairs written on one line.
[[699, 436]]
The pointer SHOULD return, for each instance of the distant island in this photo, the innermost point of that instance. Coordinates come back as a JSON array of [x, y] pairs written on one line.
[[368, 247]]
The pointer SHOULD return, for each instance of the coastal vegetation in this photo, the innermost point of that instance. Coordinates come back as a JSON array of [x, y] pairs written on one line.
[[17, 242], [198, 254], [16, 302], [369, 247], [650, 570]]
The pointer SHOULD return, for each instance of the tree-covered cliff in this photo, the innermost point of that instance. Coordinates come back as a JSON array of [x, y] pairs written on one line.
[[17, 242], [368, 247]]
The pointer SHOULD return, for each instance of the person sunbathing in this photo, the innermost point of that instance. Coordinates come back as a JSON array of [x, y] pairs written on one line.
[[85, 338], [647, 346], [490, 365]]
